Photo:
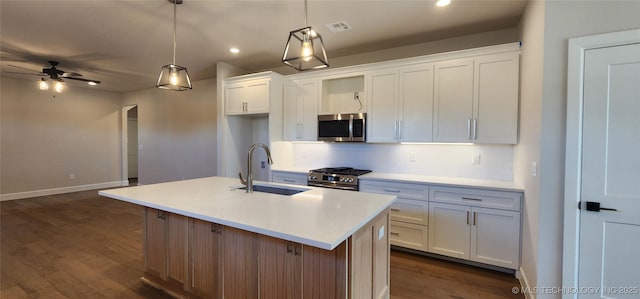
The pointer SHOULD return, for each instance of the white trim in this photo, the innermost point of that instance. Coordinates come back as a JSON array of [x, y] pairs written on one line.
[[573, 152], [125, 141], [53, 191], [524, 285]]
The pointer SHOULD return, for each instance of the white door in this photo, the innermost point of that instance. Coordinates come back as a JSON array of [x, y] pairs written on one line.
[[609, 255]]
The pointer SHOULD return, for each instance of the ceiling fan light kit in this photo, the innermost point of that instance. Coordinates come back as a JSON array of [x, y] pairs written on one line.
[[172, 76], [305, 48]]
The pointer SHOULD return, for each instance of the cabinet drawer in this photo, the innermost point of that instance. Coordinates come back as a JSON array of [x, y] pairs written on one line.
[[477, 197], [289, 178], [409, 191], [408, 235], [411, 211]]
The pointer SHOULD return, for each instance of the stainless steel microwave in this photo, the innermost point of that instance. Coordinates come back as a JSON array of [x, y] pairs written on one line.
[[348, 127]]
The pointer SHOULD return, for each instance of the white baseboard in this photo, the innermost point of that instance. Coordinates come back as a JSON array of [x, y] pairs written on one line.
[[524, 285], [45, 192]]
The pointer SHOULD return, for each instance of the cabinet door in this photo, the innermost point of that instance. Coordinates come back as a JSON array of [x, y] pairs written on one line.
[[178, 243], [496, 99], [382, 117], [257, 96], [495, 237], [240, 263], [205, 263], [410, 211], [409, 235], [308, 114], [235, 102], [290, 125], [155, 243], [453, 101], [449, 229], [416, 103], [280, 268]]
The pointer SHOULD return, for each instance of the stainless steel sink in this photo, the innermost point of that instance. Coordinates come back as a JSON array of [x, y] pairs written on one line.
[[275, 189]]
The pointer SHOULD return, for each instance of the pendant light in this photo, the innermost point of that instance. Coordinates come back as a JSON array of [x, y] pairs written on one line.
[[305, 49], [172, 76]]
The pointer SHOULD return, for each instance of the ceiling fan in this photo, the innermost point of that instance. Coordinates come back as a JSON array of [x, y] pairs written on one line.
[[55, 74]]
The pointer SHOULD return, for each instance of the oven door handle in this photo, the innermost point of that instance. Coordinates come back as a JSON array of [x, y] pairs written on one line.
[[353, 188]]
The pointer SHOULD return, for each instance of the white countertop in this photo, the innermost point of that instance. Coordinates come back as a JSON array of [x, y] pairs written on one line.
[[319, 217], [432, 180]]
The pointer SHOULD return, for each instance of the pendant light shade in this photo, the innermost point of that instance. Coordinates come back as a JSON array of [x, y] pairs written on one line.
[[305, 48], [172, 76]]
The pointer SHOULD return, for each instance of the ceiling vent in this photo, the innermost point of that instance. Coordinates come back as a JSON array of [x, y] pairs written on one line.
[[339, 26]]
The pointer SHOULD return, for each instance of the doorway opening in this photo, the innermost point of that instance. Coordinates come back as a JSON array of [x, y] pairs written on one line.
[[130, 145]]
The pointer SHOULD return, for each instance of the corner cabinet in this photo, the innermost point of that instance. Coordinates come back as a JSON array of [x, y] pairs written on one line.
[[476, 99], [300, 120], [249, 94], [478, 225]]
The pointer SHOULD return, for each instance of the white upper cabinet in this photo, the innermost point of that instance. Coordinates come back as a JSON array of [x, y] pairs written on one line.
[[249, 96], [495, 94], [301, 110], [453, 101], [400, 104], [416, 103], [476, 99], [382, 116]]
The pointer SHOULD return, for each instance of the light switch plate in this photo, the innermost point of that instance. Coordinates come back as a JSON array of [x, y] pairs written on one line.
[[534, 168], [475, 159]]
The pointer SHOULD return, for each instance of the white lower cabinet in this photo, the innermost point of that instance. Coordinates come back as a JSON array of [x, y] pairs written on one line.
[[409, 213], [286, 177], [473, 232]]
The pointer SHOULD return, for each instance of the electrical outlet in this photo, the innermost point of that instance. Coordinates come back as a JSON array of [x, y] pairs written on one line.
[[263, 164], [381, 233], [475, 159], [534, 168], [412, 156], [72, 176]]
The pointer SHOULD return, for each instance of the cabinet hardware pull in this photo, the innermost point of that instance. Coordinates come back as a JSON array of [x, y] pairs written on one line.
[[395, 129], [391, 191], [395, 210], [296, 250], [162, 215], [213, 228], [469, 128], [475, 129], [475, 218], [289, 181], [400, 129], [289, 250], [471, 198], [467, 217], [394, 233]]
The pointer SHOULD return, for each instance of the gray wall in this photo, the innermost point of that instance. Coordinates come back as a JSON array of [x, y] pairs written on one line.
[[177, 132], [543, 119], [44, 139]]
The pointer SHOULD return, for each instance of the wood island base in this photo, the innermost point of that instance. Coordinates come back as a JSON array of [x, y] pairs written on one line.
[[192, 258]]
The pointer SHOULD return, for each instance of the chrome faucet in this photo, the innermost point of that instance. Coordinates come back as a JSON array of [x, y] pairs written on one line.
[[249, 181]]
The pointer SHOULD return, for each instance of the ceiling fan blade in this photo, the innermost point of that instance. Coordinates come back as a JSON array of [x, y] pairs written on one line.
[[83, 80], [41, 75], [71, 74], [23, 68]]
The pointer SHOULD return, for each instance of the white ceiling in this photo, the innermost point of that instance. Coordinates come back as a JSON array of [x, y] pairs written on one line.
[[123, 43]]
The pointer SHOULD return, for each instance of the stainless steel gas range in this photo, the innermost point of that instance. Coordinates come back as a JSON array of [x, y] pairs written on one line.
[[345, 178]]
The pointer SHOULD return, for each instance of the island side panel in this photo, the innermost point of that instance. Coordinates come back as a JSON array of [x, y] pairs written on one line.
[[369, 259], [381, 256], [325, 272]]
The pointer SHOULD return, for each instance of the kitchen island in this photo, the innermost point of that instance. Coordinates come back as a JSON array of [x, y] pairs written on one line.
[[206, 238]]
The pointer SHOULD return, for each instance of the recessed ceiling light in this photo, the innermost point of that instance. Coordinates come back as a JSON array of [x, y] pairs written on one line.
[[234, 50], [442, 3]]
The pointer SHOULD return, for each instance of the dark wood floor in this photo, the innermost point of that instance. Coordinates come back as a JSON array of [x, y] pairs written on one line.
[[81, 245]]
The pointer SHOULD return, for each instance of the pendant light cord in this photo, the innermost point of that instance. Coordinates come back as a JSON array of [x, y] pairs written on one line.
[[174, 31], [305, 13]]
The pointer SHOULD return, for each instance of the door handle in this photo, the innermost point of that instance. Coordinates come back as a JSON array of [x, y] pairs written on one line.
[[595, 207]]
